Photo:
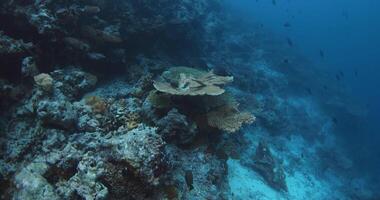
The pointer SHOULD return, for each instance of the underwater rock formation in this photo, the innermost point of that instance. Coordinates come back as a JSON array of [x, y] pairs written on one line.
[[176, 128], [268, 167], [93, 106]]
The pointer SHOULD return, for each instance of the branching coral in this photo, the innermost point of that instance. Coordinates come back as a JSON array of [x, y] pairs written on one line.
[[190, 81]]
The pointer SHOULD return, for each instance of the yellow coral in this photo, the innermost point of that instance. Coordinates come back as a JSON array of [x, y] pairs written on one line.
[[229, 119], [44, 81], [190, 81]]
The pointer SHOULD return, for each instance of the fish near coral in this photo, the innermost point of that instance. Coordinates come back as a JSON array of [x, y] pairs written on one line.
[[189, 179], [101, 36]]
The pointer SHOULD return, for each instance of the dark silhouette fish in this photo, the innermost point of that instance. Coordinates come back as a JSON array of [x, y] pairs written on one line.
[[356, 73], [274, 2], [337, 77], [189, 179], [309, 91], [335, 120], [341, 73], [287, 25], [345, 14], [321, 53], [290, 42]]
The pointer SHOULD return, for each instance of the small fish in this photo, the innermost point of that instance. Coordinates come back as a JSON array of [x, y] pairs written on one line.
[[356, 73], [345, 14], [91, 9], [325, 87], [309, 91], [287, 25], [274, 2], [189, 179], [341, 73], [335, 120], [285, 61], [96, 56], [290, 42], [337, 77], [321, 53]]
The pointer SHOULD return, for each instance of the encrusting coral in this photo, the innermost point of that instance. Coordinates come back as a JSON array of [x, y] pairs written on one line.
[[190, 81]]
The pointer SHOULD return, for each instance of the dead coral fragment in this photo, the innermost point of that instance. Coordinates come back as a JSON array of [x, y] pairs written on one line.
[[132, 121], [229, 119], [190, 81], [44, 81]]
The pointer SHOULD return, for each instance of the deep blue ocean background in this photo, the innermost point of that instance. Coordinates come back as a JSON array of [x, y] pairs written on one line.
[[347, 32]]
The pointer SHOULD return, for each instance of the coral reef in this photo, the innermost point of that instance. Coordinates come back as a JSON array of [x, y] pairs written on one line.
[[95, 104]]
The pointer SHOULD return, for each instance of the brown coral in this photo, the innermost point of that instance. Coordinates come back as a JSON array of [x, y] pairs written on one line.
[[229, 119], [190, 81], [97, 104], [132, 121]]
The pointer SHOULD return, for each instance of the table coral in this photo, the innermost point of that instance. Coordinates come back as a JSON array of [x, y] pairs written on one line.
[[191, 81]]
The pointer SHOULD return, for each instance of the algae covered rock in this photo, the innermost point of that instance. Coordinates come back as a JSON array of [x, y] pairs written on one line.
[[269, 168], [142, 149], [30, 184], [177, 128], [57, 113]]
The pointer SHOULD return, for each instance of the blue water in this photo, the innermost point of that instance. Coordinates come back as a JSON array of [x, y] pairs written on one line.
[[347, 31], [348, 34]]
